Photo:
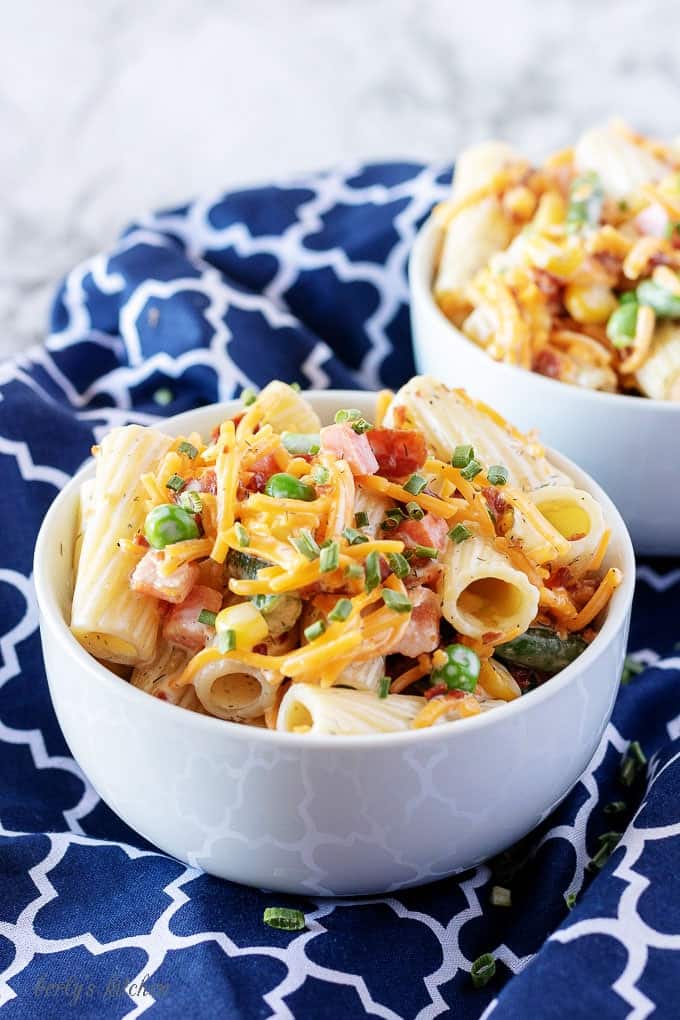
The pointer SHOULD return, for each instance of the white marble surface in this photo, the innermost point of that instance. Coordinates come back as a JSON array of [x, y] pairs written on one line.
[[113, 107]]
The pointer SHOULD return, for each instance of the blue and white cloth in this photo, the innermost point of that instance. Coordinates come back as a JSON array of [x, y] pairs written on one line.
[[306, 282]]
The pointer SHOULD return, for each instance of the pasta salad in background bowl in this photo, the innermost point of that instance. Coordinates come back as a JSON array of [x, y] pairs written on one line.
[[280, 631], [568, 272]]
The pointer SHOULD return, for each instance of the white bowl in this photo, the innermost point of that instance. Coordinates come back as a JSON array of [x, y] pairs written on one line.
[[324, 815], [628, 444]]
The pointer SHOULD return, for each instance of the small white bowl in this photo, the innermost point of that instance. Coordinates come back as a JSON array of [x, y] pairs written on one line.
[[324, 815], [630, 445]]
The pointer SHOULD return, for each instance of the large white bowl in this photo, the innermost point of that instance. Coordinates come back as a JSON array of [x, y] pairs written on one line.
[[630, 445], [325, 815]]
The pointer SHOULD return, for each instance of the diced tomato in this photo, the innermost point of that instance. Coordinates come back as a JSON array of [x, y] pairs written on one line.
[[147, 578], [546, 362], [399, 452], [422, 633], [430, 531], [346, 444], [183, 627]]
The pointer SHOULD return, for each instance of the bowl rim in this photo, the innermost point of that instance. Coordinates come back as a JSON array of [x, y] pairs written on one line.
[[420, 269], [50, 615]]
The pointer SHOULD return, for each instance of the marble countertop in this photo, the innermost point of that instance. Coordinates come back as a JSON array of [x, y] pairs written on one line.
[[112, 108]]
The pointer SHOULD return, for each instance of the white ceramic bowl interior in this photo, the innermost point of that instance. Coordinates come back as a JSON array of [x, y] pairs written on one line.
[[628, 444], [324, 815]]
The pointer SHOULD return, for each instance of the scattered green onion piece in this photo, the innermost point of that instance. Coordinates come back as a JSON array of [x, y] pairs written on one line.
[[570, 899], [631, 668], [396, 601], [361, 425], [500, 896], [315, 630], [415, 511], [608, 843], [320, 474], [459, 533], [354, 571], [622, 323], [329, 558], [483, 970], [425, 552], [297, 443], [264, 602], [242, 535], [295, 386], [176, 483], [664, 302], [497, 474], [395, 513], [346, 414], [207, 617], [398, 564], [628, 298], [372, 571], [632, 763], [462, 455], [284, 918], [586, 197], [471, 470], [249, 396], [384, 686], [361, 519], [284, 486], [226, 641], [415, 484], [340, 611], [188, 449], [354, 537], [615, 807], [389, 524], [191, 501], [306, 544], [167, 524], [461, 670], [163, 397]]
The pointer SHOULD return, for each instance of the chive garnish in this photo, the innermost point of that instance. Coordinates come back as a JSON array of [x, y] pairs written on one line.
[[459, 533], [398, 564], [372, 571], [396, 601], [361, 519], [329, 558], [340, 611], [353, 536], [207, 617], [191, 501], [471, 470], [384, 686], [175, 482], [284, 918], [321, 474], [415, 511], [242, 535], [188, 449], [306, 544], [415, 484], [483, 970], [497, 474], [226, 641], [249, 396], [347, 414], [425, 552], [315, 630], [462, 456]]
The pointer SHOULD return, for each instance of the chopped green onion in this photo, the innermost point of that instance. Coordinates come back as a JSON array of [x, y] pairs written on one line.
[[284, 486], [306, 544], [264, 602], [497, 474], [459, 533], [354, 537], [284, 918], [586, 197], [500, 896], [361, 425], [461, 670], [622, 323], [415, 484], [415, 511], [297, 443], [395, 513], [188, 449], [631, 668], [462, 455], [615, 807], [632, 763], [608, 843], [354, 570], [628, 298], [384, 686], [346, 414], [207, 617], [242, 535], [389, 524], [665, 303], [398, 564], [471, 470], [483, 970], [361, 519], [315, 630], [191, 501], [163, 397], [570, 899], [249, 396], [329, 558], [425, 552], [226, 641], [175, 482], [396, 601], [372, 571], [340, 611], [295, 386], [321, 474]]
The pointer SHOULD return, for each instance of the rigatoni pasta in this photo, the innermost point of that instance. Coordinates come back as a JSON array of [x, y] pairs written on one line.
[[358, 578]]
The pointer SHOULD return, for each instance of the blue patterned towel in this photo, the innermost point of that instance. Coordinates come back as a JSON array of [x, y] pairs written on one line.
[[305, 282]]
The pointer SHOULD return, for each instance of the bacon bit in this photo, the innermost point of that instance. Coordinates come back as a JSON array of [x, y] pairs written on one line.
[[560, 578], [261, 649], [208, 482], [546, 362], [140, 540], [162, 696], [495, 500], [491, 637], [610, 263], [215, 434], [583, 590], [399, 452], [261, 471], [346, 444], [548, 284], [422, 633], [430, 531], [183, 628], [438, 689]]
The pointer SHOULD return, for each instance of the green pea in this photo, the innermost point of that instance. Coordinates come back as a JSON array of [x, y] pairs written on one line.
[[541, 648], [622, 323], [283, 486], [664, 302], [461, 670], [167, 524]]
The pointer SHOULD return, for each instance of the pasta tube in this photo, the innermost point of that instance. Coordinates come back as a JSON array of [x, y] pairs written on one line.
[[306, 708], [234, 690], [363, 676], [477, 165], [109, 619], [483, 593], [282, 407], [577, 517], [449, 417], [156, 677], [659, 376], [472, 237], [85, 510], [622, 166]]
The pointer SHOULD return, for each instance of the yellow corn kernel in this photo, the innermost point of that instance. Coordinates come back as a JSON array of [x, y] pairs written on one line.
[[247, 622], [592, 303], [520, 202], [561, 258]]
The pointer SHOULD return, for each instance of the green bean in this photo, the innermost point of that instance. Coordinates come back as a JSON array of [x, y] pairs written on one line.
[[541, 648], [167, 524], [664, 302], [622, 323], [283, 486]]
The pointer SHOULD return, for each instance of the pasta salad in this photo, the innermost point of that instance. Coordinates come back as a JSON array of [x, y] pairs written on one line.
[[359, 577], [569, 269]]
